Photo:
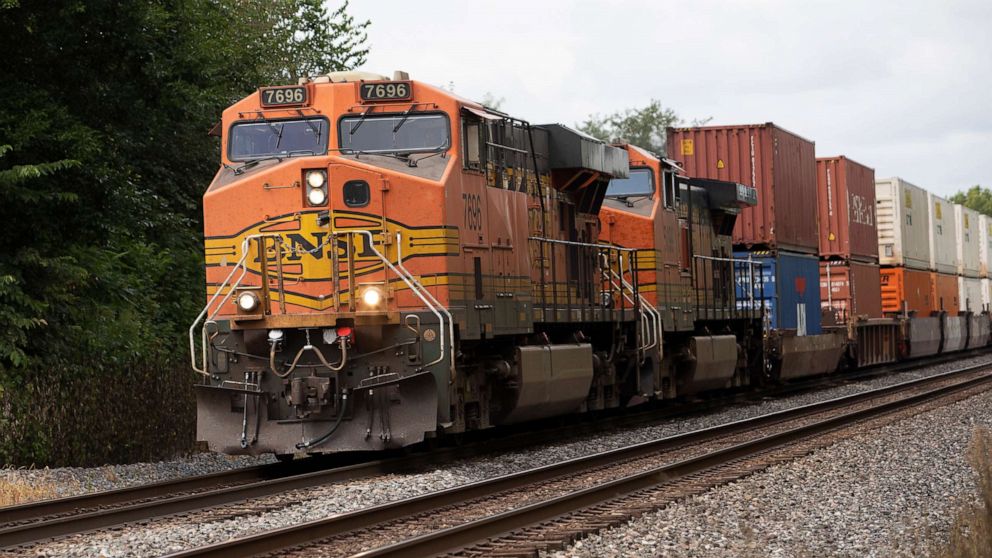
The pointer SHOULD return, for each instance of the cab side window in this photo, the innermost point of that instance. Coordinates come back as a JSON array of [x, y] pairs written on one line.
[[472, 143], [668, 188]]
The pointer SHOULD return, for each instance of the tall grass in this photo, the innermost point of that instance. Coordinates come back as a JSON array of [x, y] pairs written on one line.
[[16, 491]]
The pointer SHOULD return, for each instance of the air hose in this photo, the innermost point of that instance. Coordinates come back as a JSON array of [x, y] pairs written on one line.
[[342, 401]]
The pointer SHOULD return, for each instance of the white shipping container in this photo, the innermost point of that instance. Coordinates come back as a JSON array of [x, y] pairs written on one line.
[[943, 242], [986, 293], [970, 296], [984, 245], [967, 239], [903, 224]]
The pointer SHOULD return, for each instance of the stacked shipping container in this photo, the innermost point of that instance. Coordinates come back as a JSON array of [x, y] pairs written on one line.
[[848, 240], [884, 246], [779, 230], [849, 290], [957, 264], [984, 253], [944, 253], [790, 288], [903, 224], [967, 241], [943, 245], [968, 244]]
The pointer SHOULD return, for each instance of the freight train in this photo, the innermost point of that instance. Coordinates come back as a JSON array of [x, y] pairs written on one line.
[[387, 262]]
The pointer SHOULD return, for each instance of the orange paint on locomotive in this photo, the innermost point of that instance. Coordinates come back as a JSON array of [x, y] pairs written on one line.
[[437, 217], [627, 228]]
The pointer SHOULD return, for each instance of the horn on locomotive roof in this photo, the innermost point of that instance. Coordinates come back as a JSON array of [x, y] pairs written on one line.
[[354, 75]]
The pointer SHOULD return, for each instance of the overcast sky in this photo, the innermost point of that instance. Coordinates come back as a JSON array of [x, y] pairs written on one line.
[[904, 87]]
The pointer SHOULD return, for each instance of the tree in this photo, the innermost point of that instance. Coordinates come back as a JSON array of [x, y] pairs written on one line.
[[320, 41], [644, 127], [104, 113], [977, 198], [491, 101], [21, 312]]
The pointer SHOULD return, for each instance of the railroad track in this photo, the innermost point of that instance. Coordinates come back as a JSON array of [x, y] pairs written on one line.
[[547, 507], [32, 523]]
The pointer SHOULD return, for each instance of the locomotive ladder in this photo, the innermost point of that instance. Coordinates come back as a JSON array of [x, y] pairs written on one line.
[[650, 323], [650, 319]]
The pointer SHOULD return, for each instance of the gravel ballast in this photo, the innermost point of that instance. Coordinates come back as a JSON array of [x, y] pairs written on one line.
[[176, 534], [891, 493]]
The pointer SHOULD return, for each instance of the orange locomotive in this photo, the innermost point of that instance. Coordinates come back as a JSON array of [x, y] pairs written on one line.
[[387, 261], [680, 228]]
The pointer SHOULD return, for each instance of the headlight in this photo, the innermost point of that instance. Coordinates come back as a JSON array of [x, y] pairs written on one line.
[[316, 179], [372, 297], [316, 196], [247, 302], [316, 186]]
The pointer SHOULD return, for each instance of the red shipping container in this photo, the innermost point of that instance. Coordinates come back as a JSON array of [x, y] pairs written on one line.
[[778, 163], [849, 290], [845, 193], [906, 289]]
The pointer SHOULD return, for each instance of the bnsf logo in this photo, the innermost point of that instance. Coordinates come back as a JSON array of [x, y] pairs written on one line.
[[860, 211], [308, 248], [316, 245]]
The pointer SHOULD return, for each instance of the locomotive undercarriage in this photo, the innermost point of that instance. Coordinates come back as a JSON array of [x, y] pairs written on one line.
[[384, 397], [557, 371], [365, 387]]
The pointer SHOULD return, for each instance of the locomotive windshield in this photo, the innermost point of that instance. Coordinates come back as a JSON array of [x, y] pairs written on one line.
[[277, 138], [639, 183], [394, 133]]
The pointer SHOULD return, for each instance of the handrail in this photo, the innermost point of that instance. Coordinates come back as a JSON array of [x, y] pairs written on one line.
[[422, 293], [752, 265], [653, 313], [220, 288], [586, 244], [414, 286], [451, 321]]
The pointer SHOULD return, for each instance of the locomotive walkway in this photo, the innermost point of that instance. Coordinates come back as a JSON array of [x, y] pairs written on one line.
[[529, 490]]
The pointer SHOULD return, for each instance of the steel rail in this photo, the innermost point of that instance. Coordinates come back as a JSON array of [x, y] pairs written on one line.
[[34, 510], [457, 537], [167, 497]]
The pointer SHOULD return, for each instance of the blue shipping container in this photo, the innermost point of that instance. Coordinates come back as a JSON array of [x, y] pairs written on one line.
[[791, 288]]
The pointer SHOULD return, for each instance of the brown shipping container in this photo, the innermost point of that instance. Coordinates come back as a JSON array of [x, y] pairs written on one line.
[[910, 286], [845, 193], [778, 163], [849, 290], [945, 293]]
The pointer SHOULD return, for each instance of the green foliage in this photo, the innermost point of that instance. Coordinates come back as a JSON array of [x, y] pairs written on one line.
[[492, 101], [644, 127], [977, 198], [104, 154]]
